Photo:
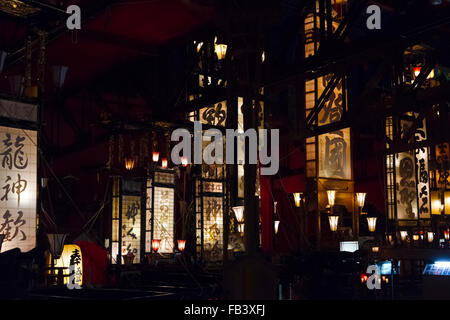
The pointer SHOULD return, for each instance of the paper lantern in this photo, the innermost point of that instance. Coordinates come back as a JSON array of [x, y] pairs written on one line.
[[184, 161], [331, 197], [71, 256], [360, 198], [298, 198], [155, 156], [164, 163], [333, 222], [181, 245], [156, 244], [129, 163], [430, 236], [436, 205], [276, 225], [372, 223], [403, 235], [239, 213]]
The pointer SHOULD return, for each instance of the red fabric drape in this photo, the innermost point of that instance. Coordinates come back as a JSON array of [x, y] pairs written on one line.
[[95, 263]]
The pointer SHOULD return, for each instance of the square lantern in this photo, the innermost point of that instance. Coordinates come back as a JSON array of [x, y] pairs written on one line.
[[211, 208], [127, 203], [160, 212]]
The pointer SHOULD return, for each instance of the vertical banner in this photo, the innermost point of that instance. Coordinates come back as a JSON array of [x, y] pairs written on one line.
[[405, 186], [213, 227], [334, 155], [423, 188], [18, 178], [131, 226], [163, 218]]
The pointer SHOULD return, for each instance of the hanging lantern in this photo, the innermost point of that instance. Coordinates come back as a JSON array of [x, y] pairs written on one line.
[[220, 49], [184, 161], [415, 237], [298, 198], [372, 223], [446, 234], [333, 222], [155, 156], [276, 225], [403, 235], [56, 242], [181, 245], [129, 163], [156, 244], [436, 204], [275, 204], [331, 197], [361, 197], [430, 236], [239, 213], [164, 163], [447, 202], [375, 249]]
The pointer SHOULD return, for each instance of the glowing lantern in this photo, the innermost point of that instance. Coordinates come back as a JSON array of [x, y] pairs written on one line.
[[156, 243], [446, 234], [372, 223], [129, 163], [276, 225], [71, 256], [430, 236], [415, 237], [164, 163], [375, 249], [447, 202], [364, 212], [220, 50], [416, 71], [403, 235], [181, 245], [239, 213], [155, 156], [436, 205], [298, 198], [333, 222], [184, 161], [361, 197], [331, 197]]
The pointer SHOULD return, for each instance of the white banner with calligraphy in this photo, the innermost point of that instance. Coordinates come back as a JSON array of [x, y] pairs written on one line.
[[335, 155], [18, 178], [405, 185]]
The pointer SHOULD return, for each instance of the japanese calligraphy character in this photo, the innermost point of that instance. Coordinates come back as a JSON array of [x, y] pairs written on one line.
[[7, 157], [19, 155], [7, 189], [336, 155]]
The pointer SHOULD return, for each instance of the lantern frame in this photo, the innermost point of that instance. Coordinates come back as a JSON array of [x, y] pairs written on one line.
[[201, 191]]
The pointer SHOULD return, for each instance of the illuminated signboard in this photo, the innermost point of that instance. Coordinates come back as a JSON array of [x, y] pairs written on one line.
[[406, 186], [131, 226], [334, 155], [160, 211], [18, 170], [164, 218]]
